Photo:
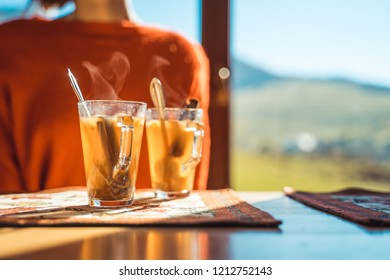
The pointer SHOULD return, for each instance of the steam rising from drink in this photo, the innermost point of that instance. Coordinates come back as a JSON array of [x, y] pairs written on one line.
[[174, 97], [108, 78]]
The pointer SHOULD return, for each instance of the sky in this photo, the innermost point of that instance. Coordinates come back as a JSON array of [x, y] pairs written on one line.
[[315, 37], [307, 38]]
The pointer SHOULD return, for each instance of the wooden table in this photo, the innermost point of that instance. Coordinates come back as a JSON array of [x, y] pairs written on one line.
[[304, 235]]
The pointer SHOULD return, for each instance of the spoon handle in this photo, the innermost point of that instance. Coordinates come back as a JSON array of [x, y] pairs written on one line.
[[77, 90], [157, 95], [75, 86]]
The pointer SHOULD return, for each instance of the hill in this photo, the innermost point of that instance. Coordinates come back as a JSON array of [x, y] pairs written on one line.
[[245, 75], [272, 113]]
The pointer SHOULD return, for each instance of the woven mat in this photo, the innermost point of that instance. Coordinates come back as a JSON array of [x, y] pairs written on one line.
[[357, 205], [68, 207]]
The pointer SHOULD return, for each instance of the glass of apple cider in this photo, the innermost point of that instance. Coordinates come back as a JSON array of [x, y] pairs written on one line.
[[111, 134], [174, 137]]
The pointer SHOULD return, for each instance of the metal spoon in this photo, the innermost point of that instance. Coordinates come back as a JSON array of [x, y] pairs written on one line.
[[157, 95], [77, 90]]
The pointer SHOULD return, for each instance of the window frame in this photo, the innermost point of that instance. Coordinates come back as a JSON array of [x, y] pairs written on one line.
[[216, 42]]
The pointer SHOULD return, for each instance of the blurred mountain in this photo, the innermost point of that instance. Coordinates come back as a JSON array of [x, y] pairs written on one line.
[[272, 113], [247, 75]]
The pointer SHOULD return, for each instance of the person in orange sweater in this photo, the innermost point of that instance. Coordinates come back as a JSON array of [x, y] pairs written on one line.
[[40, 141]]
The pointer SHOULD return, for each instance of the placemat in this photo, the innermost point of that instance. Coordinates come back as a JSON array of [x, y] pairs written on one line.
[[68, 207], [361, 206]]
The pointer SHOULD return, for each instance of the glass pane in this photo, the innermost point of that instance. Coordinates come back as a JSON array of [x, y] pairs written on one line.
[[310, 94], [10, 9], [177, 15]]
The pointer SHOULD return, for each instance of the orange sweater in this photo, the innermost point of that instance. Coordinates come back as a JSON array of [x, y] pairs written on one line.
[[40, 143]]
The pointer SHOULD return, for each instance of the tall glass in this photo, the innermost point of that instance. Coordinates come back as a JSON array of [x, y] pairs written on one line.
[[111, 134], [174, 138]]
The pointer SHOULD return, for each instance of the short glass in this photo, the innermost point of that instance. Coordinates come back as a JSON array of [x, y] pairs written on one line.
[[111, 134], [174, 138]]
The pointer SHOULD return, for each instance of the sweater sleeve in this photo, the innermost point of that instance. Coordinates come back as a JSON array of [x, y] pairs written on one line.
[[10, 178]]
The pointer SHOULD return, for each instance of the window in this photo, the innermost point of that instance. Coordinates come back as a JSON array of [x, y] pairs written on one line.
[[14, 9], [11, 9], [178, 15], [310, 94]]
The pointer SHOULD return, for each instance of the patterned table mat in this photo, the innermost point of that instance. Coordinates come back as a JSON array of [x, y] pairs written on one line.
[[361, 206], [68, 207]]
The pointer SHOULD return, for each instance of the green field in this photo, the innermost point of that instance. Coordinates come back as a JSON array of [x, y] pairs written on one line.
[[264, 172], [347, 122], [268, 116]]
